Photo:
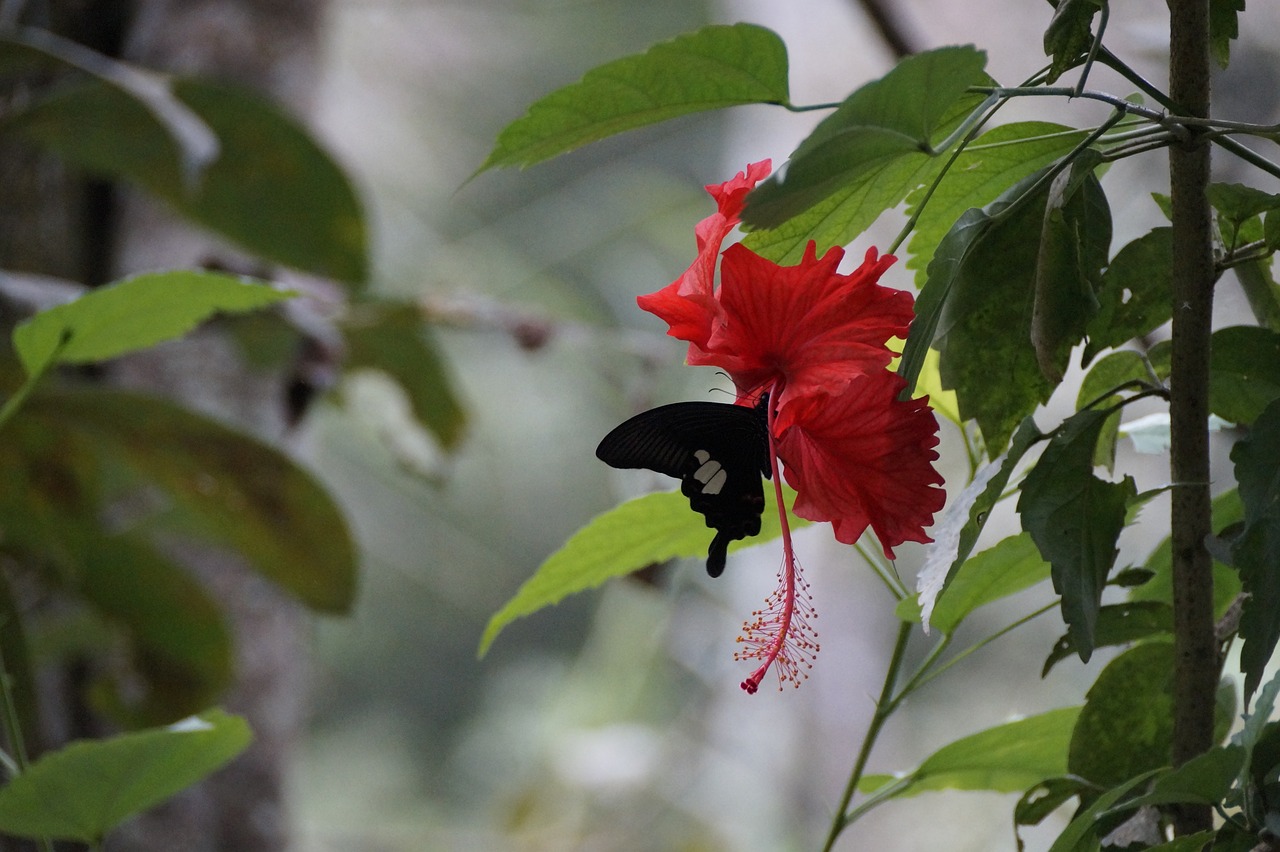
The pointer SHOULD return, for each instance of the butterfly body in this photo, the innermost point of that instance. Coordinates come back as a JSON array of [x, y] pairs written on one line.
[[718, 452]]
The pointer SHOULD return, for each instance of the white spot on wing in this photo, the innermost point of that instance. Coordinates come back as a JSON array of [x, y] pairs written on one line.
[[702, 456], [715, 483]]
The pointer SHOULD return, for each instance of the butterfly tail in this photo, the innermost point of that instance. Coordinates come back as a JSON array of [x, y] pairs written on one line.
[[718, 553]]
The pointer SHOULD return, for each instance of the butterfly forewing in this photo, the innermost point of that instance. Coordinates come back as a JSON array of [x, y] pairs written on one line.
[[718, 452]]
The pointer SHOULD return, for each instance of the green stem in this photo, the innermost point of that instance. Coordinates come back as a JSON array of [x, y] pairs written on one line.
[[885, 706]]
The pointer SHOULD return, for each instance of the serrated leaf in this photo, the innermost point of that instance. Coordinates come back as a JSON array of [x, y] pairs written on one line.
[[995, 161], [87, 788], [286, 201], [226, 486], [1118, 624], [395, 340], [1069, 34], [1007, 758], [713, 68], [1244, 372], [640, 532], [1075, 519], [1257, 550], [1004, 569], [898, 115], [957, 530], [132, 314], [1135, 297], [1126, 726]]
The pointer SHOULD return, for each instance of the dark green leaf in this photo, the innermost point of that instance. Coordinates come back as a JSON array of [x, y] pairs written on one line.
[[1257, 551], [226, 486], [1045, 798], [897, 115], [1244, 372], [87, 788], [1082, 833], [1004, 569], [958, 530], [713, 68], [1205, 779], [132, 314], [1126, 726], [1007, 758], [1075, 519], [1118, 624], [286, 201], [395, 340], [1074, 243], [1097, 389], [1238, 205], [1197, 842], [1226, 583], [1223, 28], [987, 167], [1135, 297], [17, 662], [640, 532], [1069, 35], [1260, 287]]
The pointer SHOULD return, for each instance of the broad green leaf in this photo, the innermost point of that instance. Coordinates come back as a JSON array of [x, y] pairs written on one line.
[[1082, 833], [1098, 389], [1008, 758], [995, 161], [395, 340], [713, 68], [1069, 34], [226, 486], [1075, 519], [1074, 244], [1257, 551], [1045, 798], [1118, 624], [899, 114], [640, 532], [1236, 204], [132, 314], [1205, 779], [957, 531], [285, 200], [181, 645], [1244, 372], [1227, 511], [1004, 569], [87, 788], [1135, 297], [1126, 726]]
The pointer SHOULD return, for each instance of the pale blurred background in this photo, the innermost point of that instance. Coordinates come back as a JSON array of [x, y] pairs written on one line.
[[614, 721]]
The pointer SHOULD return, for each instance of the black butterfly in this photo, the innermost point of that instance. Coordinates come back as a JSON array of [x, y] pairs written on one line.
[[718, 451]]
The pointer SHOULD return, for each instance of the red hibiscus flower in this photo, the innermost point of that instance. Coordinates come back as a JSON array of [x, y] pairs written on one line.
[[688, 304]]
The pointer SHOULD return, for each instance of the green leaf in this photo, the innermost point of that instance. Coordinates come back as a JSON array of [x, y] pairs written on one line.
[[1097, 390], [713, 68], [957, 531], [1075, 519], [226, 486], [1118, 624], [1226, 511], [1004, 569], [1045, 798], [1082, 833], [1135, 297], [286, 201], [1259, 285], [1205, 779], [1244, 372], [132, 314], [1257, 551], [640, 532], [897, 115], [1126, 726], [1074, 244], [1223, 28], [1007, 758], [987, 167], [1197, 842], [1236, 204], [395, 340], [1069, 35], [87, 788]]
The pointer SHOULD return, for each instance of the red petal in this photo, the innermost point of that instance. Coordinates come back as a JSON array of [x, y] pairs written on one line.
[[806, 328], [862, 458], [688, 304]]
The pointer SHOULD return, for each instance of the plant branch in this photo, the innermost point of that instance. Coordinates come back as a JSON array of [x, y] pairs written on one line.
[[1193, 275]]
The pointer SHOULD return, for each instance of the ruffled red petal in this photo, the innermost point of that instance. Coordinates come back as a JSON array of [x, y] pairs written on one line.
[[862, 458]]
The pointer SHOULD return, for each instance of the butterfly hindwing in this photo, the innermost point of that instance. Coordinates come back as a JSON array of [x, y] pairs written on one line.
[[717, 451]]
